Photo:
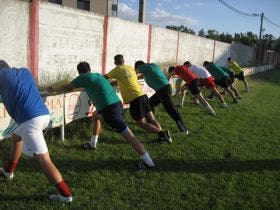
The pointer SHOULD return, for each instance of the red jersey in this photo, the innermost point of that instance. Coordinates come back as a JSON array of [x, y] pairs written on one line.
[[186, 74]]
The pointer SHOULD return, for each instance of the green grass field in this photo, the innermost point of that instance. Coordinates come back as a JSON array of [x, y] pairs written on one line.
[[230, 161]]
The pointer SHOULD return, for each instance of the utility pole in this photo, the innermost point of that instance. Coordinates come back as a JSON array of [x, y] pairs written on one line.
[[261, 27], [259, 45], [142, 12]]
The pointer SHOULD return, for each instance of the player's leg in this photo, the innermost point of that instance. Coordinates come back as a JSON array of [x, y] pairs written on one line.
[[215, 91], [202, 100], [8, 169], [154, 100], [112, 115], [182, 96], [166, 100], [54, 176], [96, 129]]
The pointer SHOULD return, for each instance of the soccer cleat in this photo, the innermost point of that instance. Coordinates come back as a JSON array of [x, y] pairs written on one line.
[[196, 101], [6, 175], [59, 197], [168, 137], [88, 146], [235, 101], [142, 165], [224, 105]]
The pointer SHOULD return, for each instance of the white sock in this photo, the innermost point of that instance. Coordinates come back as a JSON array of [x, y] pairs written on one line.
[[181, 100], [210, 110], [93, 140], [147, 159]]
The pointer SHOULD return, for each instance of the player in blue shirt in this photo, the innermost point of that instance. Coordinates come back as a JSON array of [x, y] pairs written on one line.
[[24, 104]]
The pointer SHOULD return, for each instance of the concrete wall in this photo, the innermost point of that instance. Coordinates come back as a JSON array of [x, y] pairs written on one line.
[[127, 38], [68, 36], [164, 45], [222, 52], [194, 49], [244, 54], [14, 25]]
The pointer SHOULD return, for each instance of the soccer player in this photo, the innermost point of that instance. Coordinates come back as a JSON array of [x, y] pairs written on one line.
[[191, 84], [222, 79], [24, 104], [108, 106], [157, 80], [239, 73], [140, 109], [206, 79]]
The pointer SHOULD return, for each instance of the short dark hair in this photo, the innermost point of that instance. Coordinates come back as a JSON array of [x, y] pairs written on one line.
[[4, 64], [170, 69], [83, 67], [187, 63], [119, 60], [206, 63], [229, 58], [138, 63]]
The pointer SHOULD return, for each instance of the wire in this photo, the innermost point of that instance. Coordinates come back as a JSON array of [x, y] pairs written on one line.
[[236, 10], [268, 20]]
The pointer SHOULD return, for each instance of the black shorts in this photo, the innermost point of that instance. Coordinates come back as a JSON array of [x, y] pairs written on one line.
[[139, 107], [194, 87], [112, 115], [224, 82], [240, 76], [232, 76]]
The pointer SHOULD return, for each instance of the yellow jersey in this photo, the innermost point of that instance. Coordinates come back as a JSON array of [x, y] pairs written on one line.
[[235, 67], [127, 81]]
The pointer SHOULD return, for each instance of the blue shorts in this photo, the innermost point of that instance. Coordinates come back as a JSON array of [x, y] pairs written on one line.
[[112, 115]]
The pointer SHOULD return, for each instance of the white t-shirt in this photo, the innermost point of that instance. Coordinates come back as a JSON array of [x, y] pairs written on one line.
[[200, 72]]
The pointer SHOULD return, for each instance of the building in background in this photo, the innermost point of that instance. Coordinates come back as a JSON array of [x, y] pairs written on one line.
[[102, 7]]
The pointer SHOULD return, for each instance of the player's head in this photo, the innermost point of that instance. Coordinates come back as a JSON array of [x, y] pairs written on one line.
[[229, 59], [138, 64], [171, 69], [4, 64], [187, 64], [206, 63], [118, 59], [83, 67]]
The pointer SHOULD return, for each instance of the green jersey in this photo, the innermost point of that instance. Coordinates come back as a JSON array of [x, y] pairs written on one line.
[[99, 90], [153, 75], [216, 71]]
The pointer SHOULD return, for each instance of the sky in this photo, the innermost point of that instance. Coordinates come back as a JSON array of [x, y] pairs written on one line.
[[207, 14]]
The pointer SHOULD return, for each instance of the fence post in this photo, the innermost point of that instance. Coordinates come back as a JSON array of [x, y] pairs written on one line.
[[34, 37], [105, 40], [214, 49], [149, 44]]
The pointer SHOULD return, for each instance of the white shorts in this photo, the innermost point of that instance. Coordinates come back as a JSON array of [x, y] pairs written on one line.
[[32, 136]]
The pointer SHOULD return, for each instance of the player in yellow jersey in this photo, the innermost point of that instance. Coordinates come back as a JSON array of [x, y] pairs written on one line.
[[132, 93], [239, 73]]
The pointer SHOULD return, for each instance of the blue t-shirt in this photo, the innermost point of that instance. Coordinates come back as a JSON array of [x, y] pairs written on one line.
[[20, 95]]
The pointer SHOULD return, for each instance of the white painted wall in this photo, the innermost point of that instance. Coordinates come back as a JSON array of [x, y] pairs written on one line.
[[14, 26], [127, 38], [242, 53], [164, 45], [222, 52], [195, 49], [68, 36]]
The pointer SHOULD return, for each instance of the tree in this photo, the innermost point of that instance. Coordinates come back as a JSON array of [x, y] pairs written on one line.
[[201, 33], [181, 28]]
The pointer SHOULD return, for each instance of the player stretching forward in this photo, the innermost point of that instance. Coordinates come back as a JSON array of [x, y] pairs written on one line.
[[239, 73], [191, 84], [108, 106], [24, 104], [157, 80], [205, 79], [140, 109], [222, 79]]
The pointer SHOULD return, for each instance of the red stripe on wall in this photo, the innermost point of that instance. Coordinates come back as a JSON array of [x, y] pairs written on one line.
[[33, 38], [177, 49], [105, 38], [214, 49], [149, 44]]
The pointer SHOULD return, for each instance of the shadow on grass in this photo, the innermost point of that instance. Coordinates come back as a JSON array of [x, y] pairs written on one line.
[[196, 166], [23, 197]]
